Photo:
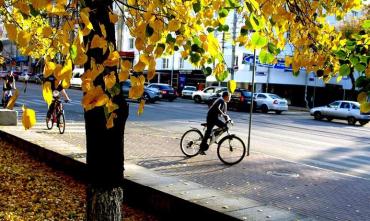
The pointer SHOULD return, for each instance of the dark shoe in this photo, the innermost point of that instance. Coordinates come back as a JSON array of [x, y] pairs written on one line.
[[201, 152]]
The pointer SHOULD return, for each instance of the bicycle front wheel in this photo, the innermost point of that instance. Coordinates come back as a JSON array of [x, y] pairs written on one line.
[[49, 123], [231, 150], [61, 123], [190, 142]]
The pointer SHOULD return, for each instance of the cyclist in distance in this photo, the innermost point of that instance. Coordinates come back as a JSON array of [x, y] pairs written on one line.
[[217, 109], [56, 85], [9, 84]]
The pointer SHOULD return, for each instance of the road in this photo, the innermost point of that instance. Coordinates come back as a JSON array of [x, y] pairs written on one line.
[[293, 136]]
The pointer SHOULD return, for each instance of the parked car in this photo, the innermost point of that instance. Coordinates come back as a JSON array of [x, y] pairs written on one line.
[[150, 94], [188, 91], [166, 91], [23, 77], [270, 102], [36, 78], [240, 100], [76, 77], [204, 95], [346, 110]]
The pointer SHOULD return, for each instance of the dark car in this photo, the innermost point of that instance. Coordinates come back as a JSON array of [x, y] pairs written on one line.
[[167, 92], [150, 94], [240, 100]]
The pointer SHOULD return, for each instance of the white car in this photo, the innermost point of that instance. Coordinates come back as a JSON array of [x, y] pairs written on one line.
[[270, 102], [23, 77], [188, 91], [76, 77], [346, 110], [204, 95]]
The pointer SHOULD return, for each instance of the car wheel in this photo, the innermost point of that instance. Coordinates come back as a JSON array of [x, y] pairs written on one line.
[[278, 112], [264, 108], [317, 115], [329, 118], [146, 97], [351, 121], [197, 99], [363, 122]]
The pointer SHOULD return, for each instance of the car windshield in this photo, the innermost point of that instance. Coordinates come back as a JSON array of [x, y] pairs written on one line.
[[190, 88], [274, 96], [246, 93], [165, 87], [355, 106]]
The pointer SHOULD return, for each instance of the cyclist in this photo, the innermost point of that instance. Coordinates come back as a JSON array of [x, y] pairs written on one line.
[[8, 85], [56, 85], [217, 109]]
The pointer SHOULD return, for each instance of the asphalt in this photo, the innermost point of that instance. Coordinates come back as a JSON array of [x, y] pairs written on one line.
[[172, 197]]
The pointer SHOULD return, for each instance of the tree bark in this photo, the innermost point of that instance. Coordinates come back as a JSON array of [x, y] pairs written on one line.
[[104, 146]]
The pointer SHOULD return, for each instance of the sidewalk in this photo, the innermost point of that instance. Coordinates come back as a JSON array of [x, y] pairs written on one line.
[[173, 196]]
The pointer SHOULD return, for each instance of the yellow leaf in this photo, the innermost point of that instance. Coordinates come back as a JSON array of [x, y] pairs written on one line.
[[28, 118], [174, 25], [111, 106], [123, 75], [140, 110], [110, 80], [47, 93], [66, 83], [139, 67], [39, 4], [81, 58], [47, 32], [85, 31], [94, 98], [103, 31], [23, 7], [231, 85], [139, 44], [365, 107], [213, 46], [110, 121], [49, 68], [362, 97], [113, 17], [12, 100], [151, 74], [24, 38], [85, 19], [126, 65], [288, 61], [367, 71], [144, 58], [11, 31], [66, 71], [112, 60]]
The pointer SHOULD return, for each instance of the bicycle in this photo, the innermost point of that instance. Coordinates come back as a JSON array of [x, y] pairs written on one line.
[[7, 95], [231, 149], [57, 116]]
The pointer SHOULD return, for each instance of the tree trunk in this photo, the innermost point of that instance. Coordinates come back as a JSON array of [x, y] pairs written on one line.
[[353, 88], [104, 146]]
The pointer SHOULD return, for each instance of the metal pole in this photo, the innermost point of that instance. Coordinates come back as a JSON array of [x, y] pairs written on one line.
[[251, 106], [173, 64], [268, 79], [233, 45]]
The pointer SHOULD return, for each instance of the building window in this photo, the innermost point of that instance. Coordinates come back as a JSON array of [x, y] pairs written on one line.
[[165, 63], [131, 43], [181, 65]]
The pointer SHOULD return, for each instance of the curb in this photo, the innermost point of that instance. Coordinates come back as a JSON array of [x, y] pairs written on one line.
[[168, 197]]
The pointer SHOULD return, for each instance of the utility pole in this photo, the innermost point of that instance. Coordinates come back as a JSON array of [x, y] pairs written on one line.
[[173, 64], [223, 49], [233, 44]]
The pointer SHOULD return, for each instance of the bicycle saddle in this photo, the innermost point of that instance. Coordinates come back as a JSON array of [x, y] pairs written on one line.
[[203, 124]]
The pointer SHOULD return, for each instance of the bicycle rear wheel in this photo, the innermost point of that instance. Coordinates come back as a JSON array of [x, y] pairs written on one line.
[[49, 123], [61, 123], [190, 142], [231, 150]]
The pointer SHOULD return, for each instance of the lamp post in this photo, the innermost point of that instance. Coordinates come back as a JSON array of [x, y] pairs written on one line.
[[251, 105]]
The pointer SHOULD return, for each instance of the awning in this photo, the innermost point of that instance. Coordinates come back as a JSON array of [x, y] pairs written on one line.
[[127, 54]]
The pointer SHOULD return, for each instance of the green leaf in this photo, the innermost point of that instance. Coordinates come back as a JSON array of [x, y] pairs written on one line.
[[364, 59], [197, 41], [272, 48], [354, 60], [223, 13], [170, 39], [73, 52], [295, 73], [209, 29], [341, 54], [366, 25], [149, 30], [194, 57], [249, 6], [258, 41], [197, 7], [222, 76], [254, 22], [265, 57], [207, 71], [351, 45], [225, 28], [360, 67], [344, 70]]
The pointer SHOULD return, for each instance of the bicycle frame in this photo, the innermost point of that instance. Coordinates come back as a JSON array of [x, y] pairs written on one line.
[[214, 139]]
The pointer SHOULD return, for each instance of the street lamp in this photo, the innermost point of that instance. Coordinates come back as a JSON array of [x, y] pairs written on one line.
[[251, 106]]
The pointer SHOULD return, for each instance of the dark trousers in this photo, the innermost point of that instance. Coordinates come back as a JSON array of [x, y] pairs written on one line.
[[211, 122], [51, 109]]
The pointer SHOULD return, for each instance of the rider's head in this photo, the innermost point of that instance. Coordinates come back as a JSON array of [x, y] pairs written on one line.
[[226, 96]]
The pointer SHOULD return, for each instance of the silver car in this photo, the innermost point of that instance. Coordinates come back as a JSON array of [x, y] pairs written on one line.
[[270, 102], [346, 110], [188, 91]]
